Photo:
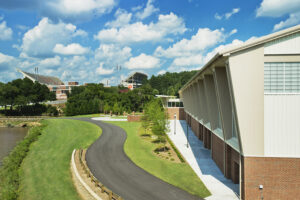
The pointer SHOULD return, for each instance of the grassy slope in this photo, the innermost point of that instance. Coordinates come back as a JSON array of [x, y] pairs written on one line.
[[178, 174], [45, 173]]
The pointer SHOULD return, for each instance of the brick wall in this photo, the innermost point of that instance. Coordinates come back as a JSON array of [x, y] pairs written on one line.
[[195, 127], [180, 114], [206, 138], [134, 118], [218, 154], [280, 178]]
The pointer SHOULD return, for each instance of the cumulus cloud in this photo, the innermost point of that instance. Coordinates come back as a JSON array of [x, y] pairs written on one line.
[[71, 49], [78, 10], [277, 8], [142, 61], [122, 18], [189, 61], [5, 32], [113, 54], [227, 15], [4, 59], [102, 71], [42, 39], [50, 62], [139, 32], [202, 40], [148, 11], [293, 19], [161, 72]]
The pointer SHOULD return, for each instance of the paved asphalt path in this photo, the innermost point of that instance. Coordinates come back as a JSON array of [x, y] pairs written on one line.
[[109, 164]]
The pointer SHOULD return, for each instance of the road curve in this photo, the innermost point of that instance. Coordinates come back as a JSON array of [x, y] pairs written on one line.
[[109, 164]]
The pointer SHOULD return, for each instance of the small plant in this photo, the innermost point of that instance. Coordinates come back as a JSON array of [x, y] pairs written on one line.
[[172, 159]]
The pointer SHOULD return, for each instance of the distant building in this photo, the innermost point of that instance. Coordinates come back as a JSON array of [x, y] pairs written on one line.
[[174, 106], [53, 83], [135, 80]]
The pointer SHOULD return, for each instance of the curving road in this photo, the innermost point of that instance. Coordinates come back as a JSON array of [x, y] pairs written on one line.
[[109, 163]]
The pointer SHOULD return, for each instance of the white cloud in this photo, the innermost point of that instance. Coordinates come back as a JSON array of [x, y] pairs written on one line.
[[148, 11], [22, 27], [71, 10], [41, 39], [142, 61], [203, 39], [112, 54], [71, 49], [102, 71], [50, 62], [122, 18], [161, 72], [277, 8], [189, 61], [139, 32], [5, 58], [80, 33], [227, 15], [293, 19], [5, 32]]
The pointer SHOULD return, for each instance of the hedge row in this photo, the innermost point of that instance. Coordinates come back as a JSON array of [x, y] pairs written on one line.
[[176, 150], [9, 172]]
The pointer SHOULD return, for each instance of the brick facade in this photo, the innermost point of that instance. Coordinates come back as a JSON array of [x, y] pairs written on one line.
[[280, 178], [217, 152], [134, 118], [180, 114]]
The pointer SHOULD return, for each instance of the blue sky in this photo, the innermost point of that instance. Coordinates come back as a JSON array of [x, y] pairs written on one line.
[[84, 40]]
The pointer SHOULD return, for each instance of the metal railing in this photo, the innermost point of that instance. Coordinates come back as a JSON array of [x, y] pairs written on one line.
[[97, 183]]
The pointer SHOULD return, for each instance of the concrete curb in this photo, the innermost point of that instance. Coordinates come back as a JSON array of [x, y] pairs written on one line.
[[80, 179]]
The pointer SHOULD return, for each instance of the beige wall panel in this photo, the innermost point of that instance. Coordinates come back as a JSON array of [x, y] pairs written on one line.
[[212, 104], [224, 102], [286, 45], [246, 70], [282, 58], [203, 102], [201, 109], [282, 127]]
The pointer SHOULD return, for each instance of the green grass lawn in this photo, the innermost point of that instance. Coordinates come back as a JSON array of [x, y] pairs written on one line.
[[45, 172], [178, 174]]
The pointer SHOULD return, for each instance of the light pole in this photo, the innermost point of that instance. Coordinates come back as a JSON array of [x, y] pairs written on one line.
[[175, 124], [187, 135]]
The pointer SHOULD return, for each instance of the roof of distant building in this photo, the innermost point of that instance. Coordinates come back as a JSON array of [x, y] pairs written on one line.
[[47, 80], [135, 74]]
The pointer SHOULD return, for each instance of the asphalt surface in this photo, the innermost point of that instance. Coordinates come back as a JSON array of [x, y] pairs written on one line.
[[111, 166]]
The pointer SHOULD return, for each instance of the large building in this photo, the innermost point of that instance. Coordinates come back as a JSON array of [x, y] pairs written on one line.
[[134, 80], [53, 83], [244, 104]]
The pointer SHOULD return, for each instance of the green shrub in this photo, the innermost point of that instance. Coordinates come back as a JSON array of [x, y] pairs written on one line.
[[176, 150], [9, 172]]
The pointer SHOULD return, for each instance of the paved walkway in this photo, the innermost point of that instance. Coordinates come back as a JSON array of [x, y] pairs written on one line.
[[108, 119], [111, 166], [200, 160]]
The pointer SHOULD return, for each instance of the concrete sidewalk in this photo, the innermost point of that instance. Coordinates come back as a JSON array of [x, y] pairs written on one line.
[[107, 119], [200, 160]]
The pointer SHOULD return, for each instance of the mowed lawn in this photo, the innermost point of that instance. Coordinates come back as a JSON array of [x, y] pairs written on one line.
[[178, 174], [45, 172]]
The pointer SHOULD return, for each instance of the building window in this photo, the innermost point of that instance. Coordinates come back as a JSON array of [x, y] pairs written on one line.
[[282, 77], [234, 135]]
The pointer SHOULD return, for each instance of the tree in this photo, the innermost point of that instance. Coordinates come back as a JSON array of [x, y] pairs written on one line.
[[116, 108], [155, 118]]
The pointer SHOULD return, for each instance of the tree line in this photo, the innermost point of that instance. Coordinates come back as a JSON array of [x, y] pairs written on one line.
[[170, 83], [23, 97], [95, 98]]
